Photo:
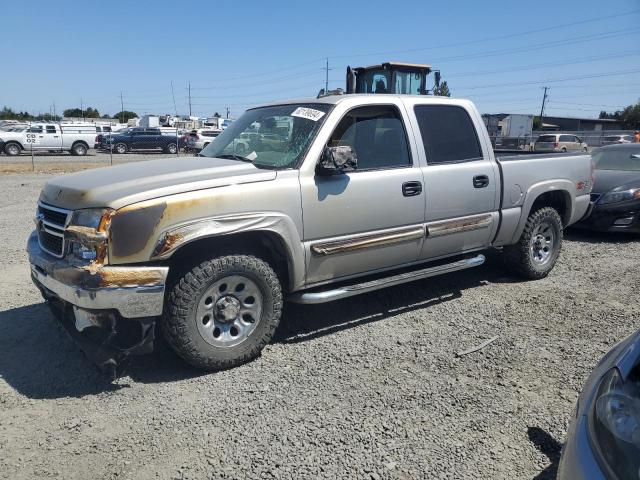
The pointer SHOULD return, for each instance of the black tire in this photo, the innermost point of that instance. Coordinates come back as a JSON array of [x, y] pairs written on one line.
[[523, 257], [171, 148], [180, 322], [12, 149], [79, 150], [120, 148], [563, 149]]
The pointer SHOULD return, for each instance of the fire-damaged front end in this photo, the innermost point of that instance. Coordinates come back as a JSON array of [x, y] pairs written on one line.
[[110, 310]]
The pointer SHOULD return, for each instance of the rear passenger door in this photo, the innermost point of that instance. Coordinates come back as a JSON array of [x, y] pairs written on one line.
[[51, 138], [461, 181]]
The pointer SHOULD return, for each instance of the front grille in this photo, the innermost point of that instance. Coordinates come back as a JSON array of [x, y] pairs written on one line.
[[51, 225], [51, 243], [57, 216], [595, 197]]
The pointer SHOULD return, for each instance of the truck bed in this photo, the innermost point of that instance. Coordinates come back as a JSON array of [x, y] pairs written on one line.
[[525, 176]]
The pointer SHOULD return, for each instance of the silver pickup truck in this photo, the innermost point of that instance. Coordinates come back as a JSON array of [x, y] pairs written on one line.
[[307, 201]]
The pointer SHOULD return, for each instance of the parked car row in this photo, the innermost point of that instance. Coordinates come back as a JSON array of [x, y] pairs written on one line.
[[139, 139]]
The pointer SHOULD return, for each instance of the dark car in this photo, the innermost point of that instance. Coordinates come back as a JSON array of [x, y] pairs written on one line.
[[616, 190], [603, 441], [142, 139]]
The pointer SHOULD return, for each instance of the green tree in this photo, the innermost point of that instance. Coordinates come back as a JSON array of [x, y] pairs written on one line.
[[91, 113], [125, 116], [442, 90], [631, 116], [73, 113], [216, 115]]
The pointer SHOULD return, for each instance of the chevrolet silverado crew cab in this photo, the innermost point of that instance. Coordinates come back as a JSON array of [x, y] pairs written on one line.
[[66, 137], [329, 198]]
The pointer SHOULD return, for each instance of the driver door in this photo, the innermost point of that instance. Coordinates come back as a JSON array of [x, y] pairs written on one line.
[[371, 218]]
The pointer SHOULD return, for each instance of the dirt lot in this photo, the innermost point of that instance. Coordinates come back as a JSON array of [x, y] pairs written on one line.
[[44, 162], [368, 387]]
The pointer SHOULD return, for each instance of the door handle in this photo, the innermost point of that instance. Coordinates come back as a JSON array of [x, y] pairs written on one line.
[[480, 181], [411, 189]]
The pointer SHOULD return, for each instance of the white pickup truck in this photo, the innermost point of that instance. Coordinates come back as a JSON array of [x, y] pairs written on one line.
[[54, 137]]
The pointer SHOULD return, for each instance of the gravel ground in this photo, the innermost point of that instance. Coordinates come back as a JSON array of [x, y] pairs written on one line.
[[44, 162], [368, 387]]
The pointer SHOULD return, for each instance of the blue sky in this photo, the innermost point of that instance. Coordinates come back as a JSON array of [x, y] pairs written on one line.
[[237, 54]]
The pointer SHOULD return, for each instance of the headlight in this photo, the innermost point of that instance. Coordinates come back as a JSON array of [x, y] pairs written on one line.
[[615, 425], [87, 232], [620, 196], [91, 217]]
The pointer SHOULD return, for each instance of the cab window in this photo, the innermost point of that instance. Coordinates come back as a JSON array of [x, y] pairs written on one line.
[[377, 136], [448, 134], [51, 129]]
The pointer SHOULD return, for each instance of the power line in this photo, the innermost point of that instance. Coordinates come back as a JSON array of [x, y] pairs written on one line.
[[497, 37], [549, 80], [542, 65]]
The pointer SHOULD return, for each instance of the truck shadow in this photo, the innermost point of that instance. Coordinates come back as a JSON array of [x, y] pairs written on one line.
[[303, 323], [40, 361]]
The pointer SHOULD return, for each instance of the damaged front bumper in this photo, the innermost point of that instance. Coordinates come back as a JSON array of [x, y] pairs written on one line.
[[121, 301]]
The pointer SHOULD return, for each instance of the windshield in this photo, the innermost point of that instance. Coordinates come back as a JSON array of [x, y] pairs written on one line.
[[270, 137], [618, 159]]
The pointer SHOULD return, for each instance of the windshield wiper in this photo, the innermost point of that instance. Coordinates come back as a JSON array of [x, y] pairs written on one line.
[[235, 157]]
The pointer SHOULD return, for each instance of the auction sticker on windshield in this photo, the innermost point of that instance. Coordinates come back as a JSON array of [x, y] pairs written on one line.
[[308, 113]]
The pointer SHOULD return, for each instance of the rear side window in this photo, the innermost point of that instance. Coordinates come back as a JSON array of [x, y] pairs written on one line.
[[51, 129], [546, 138], [448, 134]]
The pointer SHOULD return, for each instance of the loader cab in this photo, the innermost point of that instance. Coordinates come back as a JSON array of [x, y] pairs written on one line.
[[390, 77]]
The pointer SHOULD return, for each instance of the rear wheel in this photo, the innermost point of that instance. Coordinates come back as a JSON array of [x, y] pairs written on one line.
[[563, 149], [535, 254], [223, 312], [171, 148], [12, 149], [79, 150]]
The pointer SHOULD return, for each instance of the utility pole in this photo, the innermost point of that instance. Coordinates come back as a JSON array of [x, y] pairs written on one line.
[[544, 100], [189, 99], [175, 109], [326, 76], [54, 110], [228, 112], [121, 108], [81, 109]]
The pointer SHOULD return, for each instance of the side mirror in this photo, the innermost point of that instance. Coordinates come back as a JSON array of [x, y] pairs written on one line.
[[336, 161]]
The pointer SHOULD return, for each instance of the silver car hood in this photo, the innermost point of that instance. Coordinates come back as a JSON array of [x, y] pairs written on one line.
[[122, 185]]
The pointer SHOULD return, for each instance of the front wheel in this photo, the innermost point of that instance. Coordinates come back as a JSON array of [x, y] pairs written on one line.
[[535, 254], [120, 148], [223, 312]]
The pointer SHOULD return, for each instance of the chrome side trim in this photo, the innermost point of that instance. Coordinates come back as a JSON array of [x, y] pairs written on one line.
[[369, 240], [457, 225], [352, 290]]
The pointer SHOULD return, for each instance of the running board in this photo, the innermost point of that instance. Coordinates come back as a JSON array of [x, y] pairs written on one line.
[[357, 289]]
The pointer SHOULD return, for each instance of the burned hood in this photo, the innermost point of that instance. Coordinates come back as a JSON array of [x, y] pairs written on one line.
[[129, 183]]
